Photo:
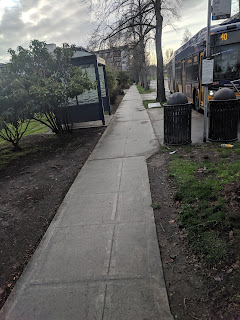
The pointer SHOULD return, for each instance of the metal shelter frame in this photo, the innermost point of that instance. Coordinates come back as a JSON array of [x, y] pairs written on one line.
[[92, 111]]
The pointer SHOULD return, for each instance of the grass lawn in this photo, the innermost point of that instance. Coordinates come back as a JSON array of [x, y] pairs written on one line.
[[141, 90], [146, 102], [33, 128], [210, 218], [6, 153], [36, 127]]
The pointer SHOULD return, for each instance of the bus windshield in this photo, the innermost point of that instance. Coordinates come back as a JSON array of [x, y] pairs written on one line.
[[226, 62]]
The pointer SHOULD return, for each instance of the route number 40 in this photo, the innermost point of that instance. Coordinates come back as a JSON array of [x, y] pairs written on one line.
[[224, 36]]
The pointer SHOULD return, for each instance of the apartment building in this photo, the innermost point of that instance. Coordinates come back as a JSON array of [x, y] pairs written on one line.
[[117, 57]]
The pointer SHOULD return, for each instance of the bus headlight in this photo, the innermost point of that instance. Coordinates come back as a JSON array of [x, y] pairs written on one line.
[[211, 93]]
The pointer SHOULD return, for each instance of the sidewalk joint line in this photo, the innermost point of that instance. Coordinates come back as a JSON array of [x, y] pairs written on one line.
[[104, 302], [101, 224], [115, 158], [89, 281]]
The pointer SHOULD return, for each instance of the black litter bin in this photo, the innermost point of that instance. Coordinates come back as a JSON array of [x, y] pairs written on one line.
[[223, 116], [177, 120]]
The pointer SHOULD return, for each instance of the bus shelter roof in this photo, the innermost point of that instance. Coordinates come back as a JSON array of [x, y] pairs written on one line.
[[83, 56]]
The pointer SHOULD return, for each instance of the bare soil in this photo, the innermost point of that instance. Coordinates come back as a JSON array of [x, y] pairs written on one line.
[[32, 187], [31, 190], [195, 292]]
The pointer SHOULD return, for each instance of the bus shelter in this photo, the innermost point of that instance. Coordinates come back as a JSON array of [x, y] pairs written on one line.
[[90, 105]]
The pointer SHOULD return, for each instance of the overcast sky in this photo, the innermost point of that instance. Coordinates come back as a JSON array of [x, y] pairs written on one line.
[[58, 21]]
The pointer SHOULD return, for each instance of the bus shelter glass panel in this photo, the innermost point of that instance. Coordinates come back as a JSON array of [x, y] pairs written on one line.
[[103, 85], [102, 81], [89, 96]]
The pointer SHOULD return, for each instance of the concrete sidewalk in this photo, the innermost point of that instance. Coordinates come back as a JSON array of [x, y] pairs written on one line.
[[99, 258], [153, 95]]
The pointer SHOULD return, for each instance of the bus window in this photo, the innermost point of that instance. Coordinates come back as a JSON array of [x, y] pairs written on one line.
[[183, 77], [189, 69], [189, 77], [178, 73], [170, 77], [227, 62], [195, 76]]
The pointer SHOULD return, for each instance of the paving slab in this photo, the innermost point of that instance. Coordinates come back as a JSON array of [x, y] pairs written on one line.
[[99, 258], [59, 302], [88, 209], [75, 253], [135, 299]]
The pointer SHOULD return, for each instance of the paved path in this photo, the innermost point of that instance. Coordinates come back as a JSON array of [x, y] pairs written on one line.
[[153, 95], [100, 258]]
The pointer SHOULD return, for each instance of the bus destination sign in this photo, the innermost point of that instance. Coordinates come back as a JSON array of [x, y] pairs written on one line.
[[224, 38], [221, 9]]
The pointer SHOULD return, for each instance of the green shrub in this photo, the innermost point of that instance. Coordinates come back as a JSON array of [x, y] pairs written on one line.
[[112, 83], [123, 80]]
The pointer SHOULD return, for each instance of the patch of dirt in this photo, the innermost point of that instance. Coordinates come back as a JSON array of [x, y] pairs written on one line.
[[31, 191], [194, 291]]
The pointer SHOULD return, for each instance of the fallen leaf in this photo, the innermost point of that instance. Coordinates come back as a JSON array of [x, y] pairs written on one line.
[[171, 221], [236, 265], [230, 235], [218, 278], [229, 270]]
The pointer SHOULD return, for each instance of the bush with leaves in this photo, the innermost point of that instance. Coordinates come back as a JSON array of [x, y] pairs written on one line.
[[112, 83], [53, 81], [117, 81], [15, 108], [123, 79]]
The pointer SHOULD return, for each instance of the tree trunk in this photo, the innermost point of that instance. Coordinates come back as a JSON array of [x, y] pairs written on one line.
[[143, 62], [143, 69], [158, 40]]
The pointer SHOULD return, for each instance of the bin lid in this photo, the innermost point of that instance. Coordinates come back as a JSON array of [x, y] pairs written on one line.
[[177, 98], [224, 94]]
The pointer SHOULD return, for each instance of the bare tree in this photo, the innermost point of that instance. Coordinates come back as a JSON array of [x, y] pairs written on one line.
[[186, 36], [136, 22], [168, 56]]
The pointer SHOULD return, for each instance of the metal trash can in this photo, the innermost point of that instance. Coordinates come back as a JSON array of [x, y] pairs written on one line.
[[223, 116], [177, 120]]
